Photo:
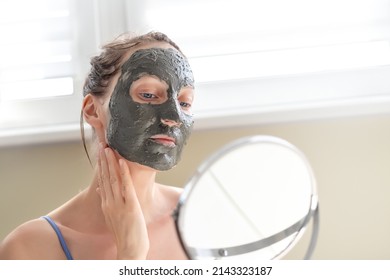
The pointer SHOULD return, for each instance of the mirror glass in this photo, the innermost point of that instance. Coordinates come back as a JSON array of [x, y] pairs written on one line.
[[251, 199]]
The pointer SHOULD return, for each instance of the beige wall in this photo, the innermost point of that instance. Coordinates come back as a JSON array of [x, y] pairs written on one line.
[[350, 158]]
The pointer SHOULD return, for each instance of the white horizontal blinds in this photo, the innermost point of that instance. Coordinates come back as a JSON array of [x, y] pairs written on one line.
[[273, 38], [36, 49], [280, 55]]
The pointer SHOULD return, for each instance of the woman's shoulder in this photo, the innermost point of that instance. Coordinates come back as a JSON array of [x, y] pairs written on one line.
[[31, 240]]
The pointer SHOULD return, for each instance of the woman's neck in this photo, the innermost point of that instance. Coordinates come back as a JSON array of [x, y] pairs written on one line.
[[143, 179]]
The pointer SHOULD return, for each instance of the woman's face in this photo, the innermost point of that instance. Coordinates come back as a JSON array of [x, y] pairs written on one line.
[[150, 108]]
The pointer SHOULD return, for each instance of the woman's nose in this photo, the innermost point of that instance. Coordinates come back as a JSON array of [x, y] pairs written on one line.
[[170, 123], [171, 115]]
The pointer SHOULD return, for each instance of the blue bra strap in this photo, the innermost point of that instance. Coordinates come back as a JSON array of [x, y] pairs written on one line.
[[60, 237]]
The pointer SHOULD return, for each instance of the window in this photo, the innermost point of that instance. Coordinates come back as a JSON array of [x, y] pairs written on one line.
[[37, 51], [280, 60], [254, 60], [45, 49]]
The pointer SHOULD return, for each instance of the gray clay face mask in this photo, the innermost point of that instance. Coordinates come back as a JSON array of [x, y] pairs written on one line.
[[133, 125]]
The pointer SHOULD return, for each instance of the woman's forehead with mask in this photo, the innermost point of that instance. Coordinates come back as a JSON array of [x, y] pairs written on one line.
[[169, 65]]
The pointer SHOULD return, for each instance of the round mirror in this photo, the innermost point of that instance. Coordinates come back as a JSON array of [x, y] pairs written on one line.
[[252, 199]]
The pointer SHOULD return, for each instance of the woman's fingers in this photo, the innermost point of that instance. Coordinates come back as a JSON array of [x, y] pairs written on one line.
[[101, 189], [120, 206], [114, 174], [114, 178], [128, 191], [105, 175]]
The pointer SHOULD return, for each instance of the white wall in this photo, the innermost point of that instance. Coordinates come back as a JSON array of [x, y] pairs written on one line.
[[350, 158]]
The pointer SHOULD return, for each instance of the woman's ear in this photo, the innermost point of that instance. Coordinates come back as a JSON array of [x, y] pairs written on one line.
[[91, 111]]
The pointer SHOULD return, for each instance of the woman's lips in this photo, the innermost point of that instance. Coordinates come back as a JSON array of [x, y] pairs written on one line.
[[164, 140]]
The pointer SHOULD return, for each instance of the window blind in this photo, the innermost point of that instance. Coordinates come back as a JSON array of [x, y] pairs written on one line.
[[37, 49], [280, 60], [44, 52]]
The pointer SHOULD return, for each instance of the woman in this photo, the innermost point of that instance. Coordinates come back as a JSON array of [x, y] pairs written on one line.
[[137, 98]]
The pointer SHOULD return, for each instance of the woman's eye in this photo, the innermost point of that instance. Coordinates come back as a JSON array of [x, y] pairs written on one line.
[[185, 105], [147, 95]]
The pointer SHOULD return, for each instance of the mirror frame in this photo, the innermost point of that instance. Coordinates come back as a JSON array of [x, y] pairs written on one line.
[[313, 213]]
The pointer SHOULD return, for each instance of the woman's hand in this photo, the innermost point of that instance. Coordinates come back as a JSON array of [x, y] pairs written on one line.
[[121, 208]]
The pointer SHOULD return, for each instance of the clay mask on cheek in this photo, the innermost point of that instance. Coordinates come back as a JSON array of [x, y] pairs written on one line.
[[134, 125]]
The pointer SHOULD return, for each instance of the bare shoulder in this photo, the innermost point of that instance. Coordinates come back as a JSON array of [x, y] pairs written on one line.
[[31, 240]]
